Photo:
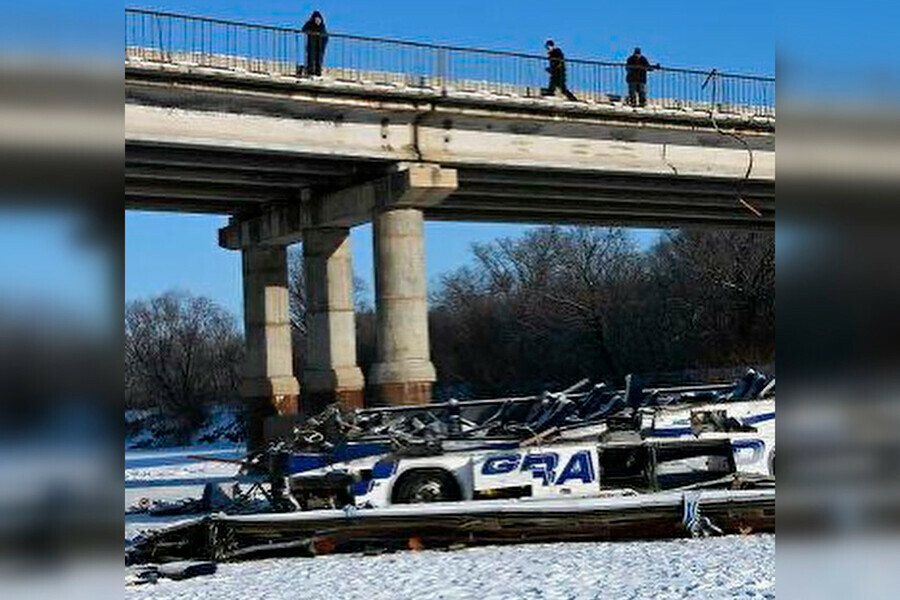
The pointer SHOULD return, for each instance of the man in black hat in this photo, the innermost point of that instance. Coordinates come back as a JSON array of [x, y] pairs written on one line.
[[636, 76], [557, 70]]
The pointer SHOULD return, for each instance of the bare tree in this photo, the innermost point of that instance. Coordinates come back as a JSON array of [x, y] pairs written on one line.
[[535, 310], [182, 353], [715, 291], [558, 304]]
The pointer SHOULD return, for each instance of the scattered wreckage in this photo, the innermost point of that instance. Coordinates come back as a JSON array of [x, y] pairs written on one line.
[[450, 525], [462, 450], [595, 464]]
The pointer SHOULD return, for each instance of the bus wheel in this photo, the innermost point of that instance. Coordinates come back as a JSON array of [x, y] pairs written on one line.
[[426, 485]]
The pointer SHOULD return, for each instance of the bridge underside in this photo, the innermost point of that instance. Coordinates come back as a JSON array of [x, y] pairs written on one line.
[[240, 183]]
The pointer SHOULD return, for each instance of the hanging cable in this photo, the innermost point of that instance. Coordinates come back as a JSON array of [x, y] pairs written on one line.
[[742, 141], [666, 159]]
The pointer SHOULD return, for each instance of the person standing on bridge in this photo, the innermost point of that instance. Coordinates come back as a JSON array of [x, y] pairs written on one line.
[[557, 70], [316, 40], [636, 68]]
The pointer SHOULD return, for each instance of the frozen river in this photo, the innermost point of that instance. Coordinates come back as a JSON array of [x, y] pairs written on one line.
[[706, 569]]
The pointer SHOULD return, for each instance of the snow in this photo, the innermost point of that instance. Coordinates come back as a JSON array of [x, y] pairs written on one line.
[[170, 474], [712, 568], [179, 454], [184, 470]]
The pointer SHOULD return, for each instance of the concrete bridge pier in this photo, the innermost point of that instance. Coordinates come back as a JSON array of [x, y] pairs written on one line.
[[331, 373], [269, 387], [403, 373]]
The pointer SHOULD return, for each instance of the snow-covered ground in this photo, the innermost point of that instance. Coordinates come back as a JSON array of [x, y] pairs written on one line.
[[172, 474], [148, 466], [708, 569]]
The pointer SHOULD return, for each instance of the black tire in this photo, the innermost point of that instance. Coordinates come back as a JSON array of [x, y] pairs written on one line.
[[426, 485]]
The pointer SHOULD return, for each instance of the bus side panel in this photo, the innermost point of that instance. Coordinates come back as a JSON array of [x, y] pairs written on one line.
[[548, 471]]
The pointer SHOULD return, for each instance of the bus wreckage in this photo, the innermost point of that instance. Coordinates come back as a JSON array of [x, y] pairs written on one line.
[[575, 464]]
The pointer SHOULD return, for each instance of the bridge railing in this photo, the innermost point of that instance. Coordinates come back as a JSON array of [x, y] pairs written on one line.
[[207, 42]]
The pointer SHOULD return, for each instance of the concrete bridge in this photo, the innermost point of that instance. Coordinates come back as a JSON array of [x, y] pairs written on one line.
[[232, 130]]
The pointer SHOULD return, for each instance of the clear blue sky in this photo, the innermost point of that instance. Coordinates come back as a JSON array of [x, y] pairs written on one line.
[[734, 36], [179, 251]]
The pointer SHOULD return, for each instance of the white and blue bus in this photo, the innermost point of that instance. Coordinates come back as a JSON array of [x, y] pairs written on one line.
[[687, 445]]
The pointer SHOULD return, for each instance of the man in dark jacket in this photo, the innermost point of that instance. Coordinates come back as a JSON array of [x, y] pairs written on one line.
[[636, 76], [316, 40], [557, 70]]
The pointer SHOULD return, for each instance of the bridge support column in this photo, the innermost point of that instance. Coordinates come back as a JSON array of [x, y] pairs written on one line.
[[403, 373], [331, 373], [269, 387]]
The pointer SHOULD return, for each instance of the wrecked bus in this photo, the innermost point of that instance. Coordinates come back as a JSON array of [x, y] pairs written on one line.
[[560, 470]]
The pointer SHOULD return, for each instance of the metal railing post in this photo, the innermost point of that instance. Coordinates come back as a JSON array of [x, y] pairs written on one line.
[[441, 72]]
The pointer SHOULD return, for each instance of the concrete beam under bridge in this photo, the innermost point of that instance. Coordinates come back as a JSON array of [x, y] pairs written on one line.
[[415, 185]]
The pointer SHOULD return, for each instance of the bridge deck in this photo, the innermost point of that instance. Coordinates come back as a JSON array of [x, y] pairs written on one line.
[[425, 86]]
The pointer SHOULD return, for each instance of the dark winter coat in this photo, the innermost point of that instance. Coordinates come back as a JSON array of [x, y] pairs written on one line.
[[637, 67], [557, 61], [317, 37]]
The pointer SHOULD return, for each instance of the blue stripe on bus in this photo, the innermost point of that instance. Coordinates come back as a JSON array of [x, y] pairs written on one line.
[[307, 461], [758, 418], [383, 469]]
